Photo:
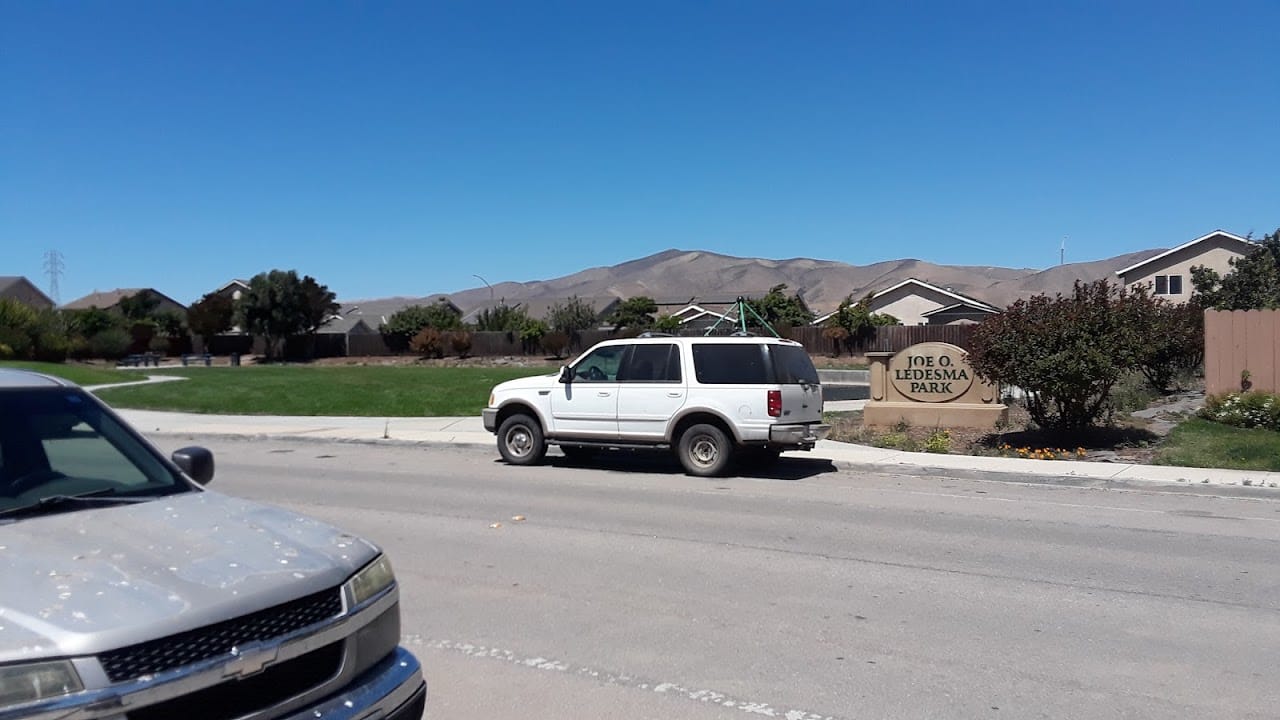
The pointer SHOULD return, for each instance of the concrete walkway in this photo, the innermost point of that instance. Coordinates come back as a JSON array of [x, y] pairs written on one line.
[[470, 431]]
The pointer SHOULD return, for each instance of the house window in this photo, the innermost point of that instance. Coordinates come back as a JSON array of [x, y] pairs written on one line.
[[1168, 284]]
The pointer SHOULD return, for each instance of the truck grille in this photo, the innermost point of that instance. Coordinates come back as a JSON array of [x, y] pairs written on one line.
[[157, 656], [237, 698]]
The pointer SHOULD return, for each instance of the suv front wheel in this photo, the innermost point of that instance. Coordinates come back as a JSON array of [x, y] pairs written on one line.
[[520, 440], [704, 450]]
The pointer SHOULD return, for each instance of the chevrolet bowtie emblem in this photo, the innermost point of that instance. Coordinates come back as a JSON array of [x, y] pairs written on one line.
[[249, 661]]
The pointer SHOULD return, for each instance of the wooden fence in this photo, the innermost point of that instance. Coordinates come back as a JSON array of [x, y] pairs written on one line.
[[494, 344], [1241, 350]]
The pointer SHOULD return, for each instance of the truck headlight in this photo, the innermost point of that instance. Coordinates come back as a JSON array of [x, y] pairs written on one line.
[[371, 580], [36, 681]]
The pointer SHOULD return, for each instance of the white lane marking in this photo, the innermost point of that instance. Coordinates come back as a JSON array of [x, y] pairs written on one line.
[[611, 678]]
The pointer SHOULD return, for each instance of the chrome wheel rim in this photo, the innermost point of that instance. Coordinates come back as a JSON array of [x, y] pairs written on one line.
[[703, 451], [519, 441]]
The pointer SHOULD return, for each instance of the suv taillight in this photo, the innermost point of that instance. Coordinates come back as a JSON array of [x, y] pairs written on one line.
[[775, 403]]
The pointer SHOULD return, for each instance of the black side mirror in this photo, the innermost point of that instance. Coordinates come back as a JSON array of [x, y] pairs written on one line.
[[196, 462], [566, 374]]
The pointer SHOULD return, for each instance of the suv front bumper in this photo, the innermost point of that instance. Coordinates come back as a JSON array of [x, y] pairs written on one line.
[[803, 436], [490, 418], [392, 689]]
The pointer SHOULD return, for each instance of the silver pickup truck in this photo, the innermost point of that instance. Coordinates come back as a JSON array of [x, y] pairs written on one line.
[[129, 592]]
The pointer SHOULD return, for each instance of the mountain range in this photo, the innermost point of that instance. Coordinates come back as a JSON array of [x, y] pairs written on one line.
[[822, 283]]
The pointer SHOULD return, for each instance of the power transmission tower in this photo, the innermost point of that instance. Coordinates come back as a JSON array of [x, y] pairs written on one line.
[[53, 267]]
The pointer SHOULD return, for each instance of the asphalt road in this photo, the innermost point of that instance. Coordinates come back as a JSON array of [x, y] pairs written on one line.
[[629, 590]]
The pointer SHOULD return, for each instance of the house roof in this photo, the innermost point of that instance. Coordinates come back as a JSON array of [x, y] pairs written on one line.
[[233, 283], [8, 282], [111, 298], [1184, 246], [958, 296], [959, 306]]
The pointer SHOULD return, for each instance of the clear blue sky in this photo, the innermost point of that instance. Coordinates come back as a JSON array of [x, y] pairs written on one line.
[[402, 148]]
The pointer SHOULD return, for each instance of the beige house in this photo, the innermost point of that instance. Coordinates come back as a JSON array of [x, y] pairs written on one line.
[[1169, 273], [916, 302]]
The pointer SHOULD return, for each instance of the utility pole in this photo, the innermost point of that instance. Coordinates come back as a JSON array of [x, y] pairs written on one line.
[[53, 267], [1062, 252]]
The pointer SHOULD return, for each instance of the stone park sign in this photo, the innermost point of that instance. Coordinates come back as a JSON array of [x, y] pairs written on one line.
[[930, 384]]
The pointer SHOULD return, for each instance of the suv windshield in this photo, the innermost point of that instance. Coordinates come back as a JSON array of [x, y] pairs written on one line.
[[58, 442]]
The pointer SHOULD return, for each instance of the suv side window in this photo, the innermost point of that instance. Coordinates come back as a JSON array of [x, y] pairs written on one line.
[[600, 365], [792, 365], [652, 363], [729, 364]]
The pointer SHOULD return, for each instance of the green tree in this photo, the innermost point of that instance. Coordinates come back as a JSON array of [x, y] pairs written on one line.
[[139, 306], [572, 317], [1169, 337], [210, 315], [402, 326], [1252, 283], [91, 321], [779, 309], [636, 312], [279, 304], [502, 318], [1065, 353], [855, 321], [667, 323]]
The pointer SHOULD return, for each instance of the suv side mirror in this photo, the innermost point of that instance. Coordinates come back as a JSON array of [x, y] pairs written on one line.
[[196, 462], [566, 374]]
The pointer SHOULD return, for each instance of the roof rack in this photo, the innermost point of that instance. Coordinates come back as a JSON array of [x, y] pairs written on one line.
[[653, 334]]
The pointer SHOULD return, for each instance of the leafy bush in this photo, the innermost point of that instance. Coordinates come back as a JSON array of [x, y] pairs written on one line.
[[428, 343], [403, 326], [17, 344], [555, 343], [1068, 353], [939, 441], [1250, 409], [110, 344], [531, 333], [460, 341], [51, 346]]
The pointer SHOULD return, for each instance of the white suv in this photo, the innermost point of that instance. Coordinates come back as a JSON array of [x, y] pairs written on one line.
[[708, 398]]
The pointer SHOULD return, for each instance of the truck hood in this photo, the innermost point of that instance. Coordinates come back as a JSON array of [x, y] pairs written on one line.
[[80, 582], [533, 382]]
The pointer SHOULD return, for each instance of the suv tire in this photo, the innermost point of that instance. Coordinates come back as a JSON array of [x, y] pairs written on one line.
[[704, 450], [520, 440]]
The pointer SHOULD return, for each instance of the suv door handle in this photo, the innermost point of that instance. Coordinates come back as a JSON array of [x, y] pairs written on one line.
[[673, 394], [603, 393]]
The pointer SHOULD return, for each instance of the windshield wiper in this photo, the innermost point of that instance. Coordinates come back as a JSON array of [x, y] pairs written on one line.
[[55, 503]]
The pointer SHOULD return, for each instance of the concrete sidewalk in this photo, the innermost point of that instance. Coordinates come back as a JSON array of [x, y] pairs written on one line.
[[470, 431]]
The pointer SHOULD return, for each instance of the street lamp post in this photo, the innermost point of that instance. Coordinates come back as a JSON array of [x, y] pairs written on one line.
[[486, 284]]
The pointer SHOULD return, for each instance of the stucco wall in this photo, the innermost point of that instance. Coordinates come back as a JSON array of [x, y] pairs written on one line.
[[1215, 253], [909, 303]]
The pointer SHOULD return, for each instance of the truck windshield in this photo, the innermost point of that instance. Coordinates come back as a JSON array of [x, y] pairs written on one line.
[[60, 442]]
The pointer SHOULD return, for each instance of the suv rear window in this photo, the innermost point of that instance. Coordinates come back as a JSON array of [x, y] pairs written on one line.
[[792, 365], [729, 364]]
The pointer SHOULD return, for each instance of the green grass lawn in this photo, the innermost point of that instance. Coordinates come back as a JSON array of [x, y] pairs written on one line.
[[386, 391], [75, 372], [1200, 443]]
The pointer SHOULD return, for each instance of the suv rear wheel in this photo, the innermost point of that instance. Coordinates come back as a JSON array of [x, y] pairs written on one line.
[[520, 440], [704, 450]]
